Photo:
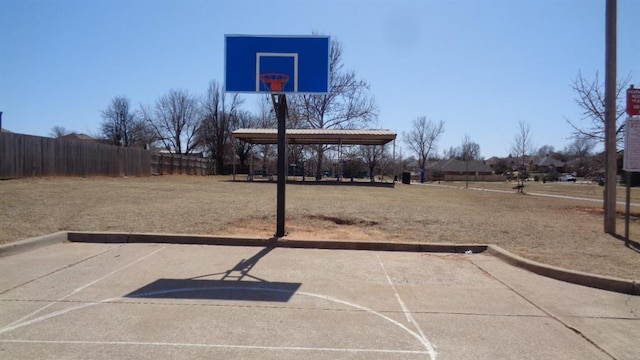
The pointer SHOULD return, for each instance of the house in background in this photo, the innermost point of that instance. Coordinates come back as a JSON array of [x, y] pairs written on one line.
[[547, 164], [542, 164], [494, 160], [451, 168], [78, 137]]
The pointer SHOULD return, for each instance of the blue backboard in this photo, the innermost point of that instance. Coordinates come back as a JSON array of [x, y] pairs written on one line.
[[277, 64]]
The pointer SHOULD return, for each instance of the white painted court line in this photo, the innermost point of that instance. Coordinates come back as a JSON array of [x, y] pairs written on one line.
[[17, 323], [421, 338], [26, 321], [430, 349], [219, 346]]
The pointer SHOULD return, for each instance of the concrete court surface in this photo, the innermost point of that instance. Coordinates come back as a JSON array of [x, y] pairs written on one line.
[[167, 301]]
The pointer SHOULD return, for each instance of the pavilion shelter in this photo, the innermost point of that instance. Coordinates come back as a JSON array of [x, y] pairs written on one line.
[[316, 137]]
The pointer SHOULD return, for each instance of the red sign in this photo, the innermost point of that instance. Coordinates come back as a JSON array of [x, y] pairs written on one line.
[[633, 101]]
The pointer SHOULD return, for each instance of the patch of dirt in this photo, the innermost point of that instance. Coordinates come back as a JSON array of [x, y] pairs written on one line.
[[587, 210], [317, 227], [634, 215], [344, 220]]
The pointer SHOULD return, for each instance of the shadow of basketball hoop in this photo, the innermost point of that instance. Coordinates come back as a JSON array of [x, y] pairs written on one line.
[[231, 286]]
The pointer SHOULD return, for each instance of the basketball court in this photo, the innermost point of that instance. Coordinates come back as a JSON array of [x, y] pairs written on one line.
[[168, 301], [97, 300]]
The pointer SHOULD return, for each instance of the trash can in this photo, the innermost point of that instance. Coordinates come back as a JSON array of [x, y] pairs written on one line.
[[406, 177]]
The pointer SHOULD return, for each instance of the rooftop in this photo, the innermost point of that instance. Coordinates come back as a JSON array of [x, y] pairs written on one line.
[[317, 136]]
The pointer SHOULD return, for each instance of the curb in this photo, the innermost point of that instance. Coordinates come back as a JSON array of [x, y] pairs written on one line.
[[97, 237], [571, 276], [32, 243], [608, 283]]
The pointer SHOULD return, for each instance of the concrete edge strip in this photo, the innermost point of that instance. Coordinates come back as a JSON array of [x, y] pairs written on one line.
[[97, 237], [602, 282], [32, 243], [576, 277]]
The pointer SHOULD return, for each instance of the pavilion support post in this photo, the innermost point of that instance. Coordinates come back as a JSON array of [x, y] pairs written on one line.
[[393, 161], [340, 165]]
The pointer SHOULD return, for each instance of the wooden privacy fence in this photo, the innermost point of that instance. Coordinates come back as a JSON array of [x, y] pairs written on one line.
[[33, 156], [162, 164], [26, 156]]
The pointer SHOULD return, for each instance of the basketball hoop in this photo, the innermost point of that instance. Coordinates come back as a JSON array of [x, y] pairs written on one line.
[[274, 82]]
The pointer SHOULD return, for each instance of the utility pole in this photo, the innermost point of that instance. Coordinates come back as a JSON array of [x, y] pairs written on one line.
[[610, 117]]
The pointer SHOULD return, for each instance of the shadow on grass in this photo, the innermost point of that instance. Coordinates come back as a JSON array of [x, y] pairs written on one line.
[[633, 245]]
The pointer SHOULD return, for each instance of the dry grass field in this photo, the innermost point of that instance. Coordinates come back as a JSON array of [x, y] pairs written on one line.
[[566, 232]]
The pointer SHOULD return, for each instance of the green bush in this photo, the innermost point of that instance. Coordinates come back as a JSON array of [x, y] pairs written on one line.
[[536, 177]]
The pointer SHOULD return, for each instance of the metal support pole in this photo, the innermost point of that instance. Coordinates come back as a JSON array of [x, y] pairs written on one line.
[[281, 112], [610, 118], [340, 165], [393, 161], [251, 165], [235, 151]]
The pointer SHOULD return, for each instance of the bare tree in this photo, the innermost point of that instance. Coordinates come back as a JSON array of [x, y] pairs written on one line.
[[522, 147], [545, 150], [214, 132], [295, 152], [469, 152], [423, 137], [581, 148], [121, 126], [58, 132], [452, 153], [404, 163], [266, 119], [385, 161], [372, 156], [143, 132], [243, 120], [119, 122], [175, 118], [346, 106], [590, 99]]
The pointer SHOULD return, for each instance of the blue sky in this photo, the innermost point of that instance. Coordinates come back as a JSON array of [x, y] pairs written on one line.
[[480, 66]]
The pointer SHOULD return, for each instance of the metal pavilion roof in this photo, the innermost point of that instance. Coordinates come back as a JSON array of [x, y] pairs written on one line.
[[317, 136]]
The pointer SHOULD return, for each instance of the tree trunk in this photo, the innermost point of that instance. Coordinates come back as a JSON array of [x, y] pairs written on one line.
[[219, 162]]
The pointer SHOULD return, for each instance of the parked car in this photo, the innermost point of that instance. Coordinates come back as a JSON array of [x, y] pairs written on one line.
[[567, 177]]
